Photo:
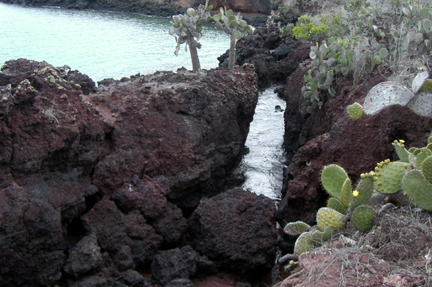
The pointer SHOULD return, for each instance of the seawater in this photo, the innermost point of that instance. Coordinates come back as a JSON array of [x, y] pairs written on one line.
[[263, 165], [100, 44], [115, 45]]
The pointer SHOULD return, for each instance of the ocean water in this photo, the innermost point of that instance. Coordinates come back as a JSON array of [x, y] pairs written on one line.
[[115, 45], [100, 44]]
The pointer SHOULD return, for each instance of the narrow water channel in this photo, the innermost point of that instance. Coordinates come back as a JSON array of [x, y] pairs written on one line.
[[263, 165]]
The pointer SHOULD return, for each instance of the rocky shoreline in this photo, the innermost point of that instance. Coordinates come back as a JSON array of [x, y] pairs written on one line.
[[130, 183], [98, 184]]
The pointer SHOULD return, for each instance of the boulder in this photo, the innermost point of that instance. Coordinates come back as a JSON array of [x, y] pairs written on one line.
[[187, 129], [236, 230], [174, 264], [117, 232]]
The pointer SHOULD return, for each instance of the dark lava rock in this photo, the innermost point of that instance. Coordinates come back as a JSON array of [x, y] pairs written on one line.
[[235, 230], [84, 257], [114, 231], [171, 224], [185, 128], [173, 264], [146, 195], [274, 57], [180, 283]]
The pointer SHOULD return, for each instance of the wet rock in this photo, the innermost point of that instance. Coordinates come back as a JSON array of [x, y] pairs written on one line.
[[84, 257], [173, 264], [116, 232], [185, 128], [235, 230]]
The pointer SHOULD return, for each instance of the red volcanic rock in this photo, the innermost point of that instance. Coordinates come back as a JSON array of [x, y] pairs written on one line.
[[49, 140], [330, 136], [234, 229], [189, 129], [116, 231], [248, 6]]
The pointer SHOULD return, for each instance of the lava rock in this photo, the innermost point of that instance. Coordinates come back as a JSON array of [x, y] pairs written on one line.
[[115, 230], [84, 257], [236, 230], [173, 264]]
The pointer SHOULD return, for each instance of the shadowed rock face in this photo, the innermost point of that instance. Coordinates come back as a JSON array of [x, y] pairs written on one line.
[[254, 242], [96, 178]]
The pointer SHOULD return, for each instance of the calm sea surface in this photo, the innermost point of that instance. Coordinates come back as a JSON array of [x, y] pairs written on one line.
[[100, 44], [115, 45]]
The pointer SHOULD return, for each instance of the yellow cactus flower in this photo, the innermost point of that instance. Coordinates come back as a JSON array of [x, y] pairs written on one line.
[[401, 141], [355, 193]]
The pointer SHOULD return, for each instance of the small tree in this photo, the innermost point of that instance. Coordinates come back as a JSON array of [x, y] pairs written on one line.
[[188, 27], [232, 25]]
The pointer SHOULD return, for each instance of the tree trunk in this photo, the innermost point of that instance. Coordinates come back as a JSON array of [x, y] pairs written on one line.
[[194, 54], [232, 52]]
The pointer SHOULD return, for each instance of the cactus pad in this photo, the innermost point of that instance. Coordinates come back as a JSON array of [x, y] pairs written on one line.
[[427, 169], [337, 205], [328, 217], [421, 156], [421, 104], [362, 218], [386, 94], [418, 189], [333, 178], [346, 193], [318, 237], [296, 228], [389, 177], [419, 81], [355, 111], [365, 189], [402, 152], [303, 243]]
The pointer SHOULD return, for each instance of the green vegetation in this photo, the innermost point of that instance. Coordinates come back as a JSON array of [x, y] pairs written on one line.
[[232, 25], [412, 175], [397, 35], [187, 29]]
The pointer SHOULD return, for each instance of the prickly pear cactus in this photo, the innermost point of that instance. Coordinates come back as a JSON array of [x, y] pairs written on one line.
[[419, 80], [296, 228], [304, 243], [346, 193], [421, 104], [328, 217], [337, 205], [362, 218], [401, 151], [388, 176], [427, 169], [318, 237], [418, 189], [364, 189], [355, 111], [332, 178], [421, 156], [386, 94]]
